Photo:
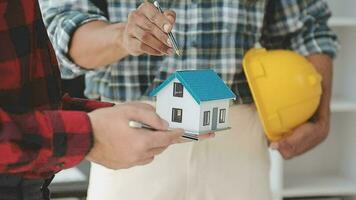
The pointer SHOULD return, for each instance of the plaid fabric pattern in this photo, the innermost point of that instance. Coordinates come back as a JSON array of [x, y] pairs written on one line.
[[37, 138], [214, 34]]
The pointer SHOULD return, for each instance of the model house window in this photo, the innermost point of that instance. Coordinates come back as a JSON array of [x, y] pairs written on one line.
[[178, 90], [177, 115], [222, 115], [206, 119]]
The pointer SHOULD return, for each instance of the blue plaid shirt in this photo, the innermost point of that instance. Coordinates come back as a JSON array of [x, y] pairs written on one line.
[[214, 34]]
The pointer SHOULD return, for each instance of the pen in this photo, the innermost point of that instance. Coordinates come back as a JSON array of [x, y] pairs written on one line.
[[170, 34], [134, 124]]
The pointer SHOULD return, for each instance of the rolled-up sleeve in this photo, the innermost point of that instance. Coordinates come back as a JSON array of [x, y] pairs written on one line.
[[62, 18], [299, 25]]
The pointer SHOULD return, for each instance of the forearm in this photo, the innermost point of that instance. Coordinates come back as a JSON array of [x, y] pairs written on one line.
[[96, 44], [324, 65]]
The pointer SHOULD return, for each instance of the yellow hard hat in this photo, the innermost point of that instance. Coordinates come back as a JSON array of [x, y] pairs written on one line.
[[286, 89]]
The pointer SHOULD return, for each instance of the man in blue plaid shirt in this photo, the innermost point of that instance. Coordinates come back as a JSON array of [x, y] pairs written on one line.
[[125, 53]]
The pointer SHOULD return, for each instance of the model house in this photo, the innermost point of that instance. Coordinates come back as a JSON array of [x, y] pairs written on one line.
[[194, 100]]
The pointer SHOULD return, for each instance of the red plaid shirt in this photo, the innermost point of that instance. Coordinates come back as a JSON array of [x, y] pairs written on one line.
[[38, 137]]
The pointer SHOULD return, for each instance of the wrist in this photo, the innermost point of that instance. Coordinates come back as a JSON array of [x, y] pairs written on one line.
[[94, 125], [323, 113], [118, 39], [322, 119]]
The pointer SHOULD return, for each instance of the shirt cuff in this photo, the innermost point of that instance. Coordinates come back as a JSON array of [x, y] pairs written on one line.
[[72, 137], [322, 43]]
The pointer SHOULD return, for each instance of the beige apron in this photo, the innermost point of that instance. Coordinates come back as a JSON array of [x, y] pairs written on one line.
[[232, 166]]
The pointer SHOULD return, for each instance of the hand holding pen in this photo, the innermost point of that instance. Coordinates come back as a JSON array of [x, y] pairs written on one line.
[[147, 31], [171, 37]]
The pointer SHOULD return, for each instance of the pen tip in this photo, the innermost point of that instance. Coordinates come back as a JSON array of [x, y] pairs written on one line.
[[178, 52]]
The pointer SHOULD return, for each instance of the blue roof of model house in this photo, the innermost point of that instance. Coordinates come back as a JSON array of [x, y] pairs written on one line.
[[203, 85]]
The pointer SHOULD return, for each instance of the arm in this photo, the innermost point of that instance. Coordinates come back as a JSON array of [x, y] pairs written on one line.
[[301, 25], [85, 40], [62, 18], [324, 65], [143, 33], [39, 144], [107, 49]]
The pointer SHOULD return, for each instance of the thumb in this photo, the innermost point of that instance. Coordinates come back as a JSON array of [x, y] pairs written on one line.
[[175, 134], [165, 138], [285, 148], [170, 15], [150, 118]]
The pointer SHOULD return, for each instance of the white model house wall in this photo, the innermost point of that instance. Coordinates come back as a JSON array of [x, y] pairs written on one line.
[[191, 109], [209, 106]]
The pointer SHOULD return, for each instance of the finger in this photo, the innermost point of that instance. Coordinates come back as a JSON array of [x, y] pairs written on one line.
[[156, 17], [164, 138], [157, 151], [144, 23], [286, 149], [150, 40], [301, 140], [144, 48], [145, 161], [148, 117], [206, 136], [147, 25], [274, 145], [170, 15], [182, 140]]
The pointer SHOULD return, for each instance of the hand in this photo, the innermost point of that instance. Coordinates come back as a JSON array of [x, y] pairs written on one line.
[[117, 145], [147, 31], [303, 138]]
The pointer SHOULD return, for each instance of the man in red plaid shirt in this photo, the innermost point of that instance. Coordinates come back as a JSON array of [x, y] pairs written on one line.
[[42, 132]]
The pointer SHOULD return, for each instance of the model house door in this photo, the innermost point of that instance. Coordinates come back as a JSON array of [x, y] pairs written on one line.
[[214, 121]]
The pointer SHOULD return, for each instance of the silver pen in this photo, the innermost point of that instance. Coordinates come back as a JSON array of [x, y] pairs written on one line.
[[134, 124], [170, 34]]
